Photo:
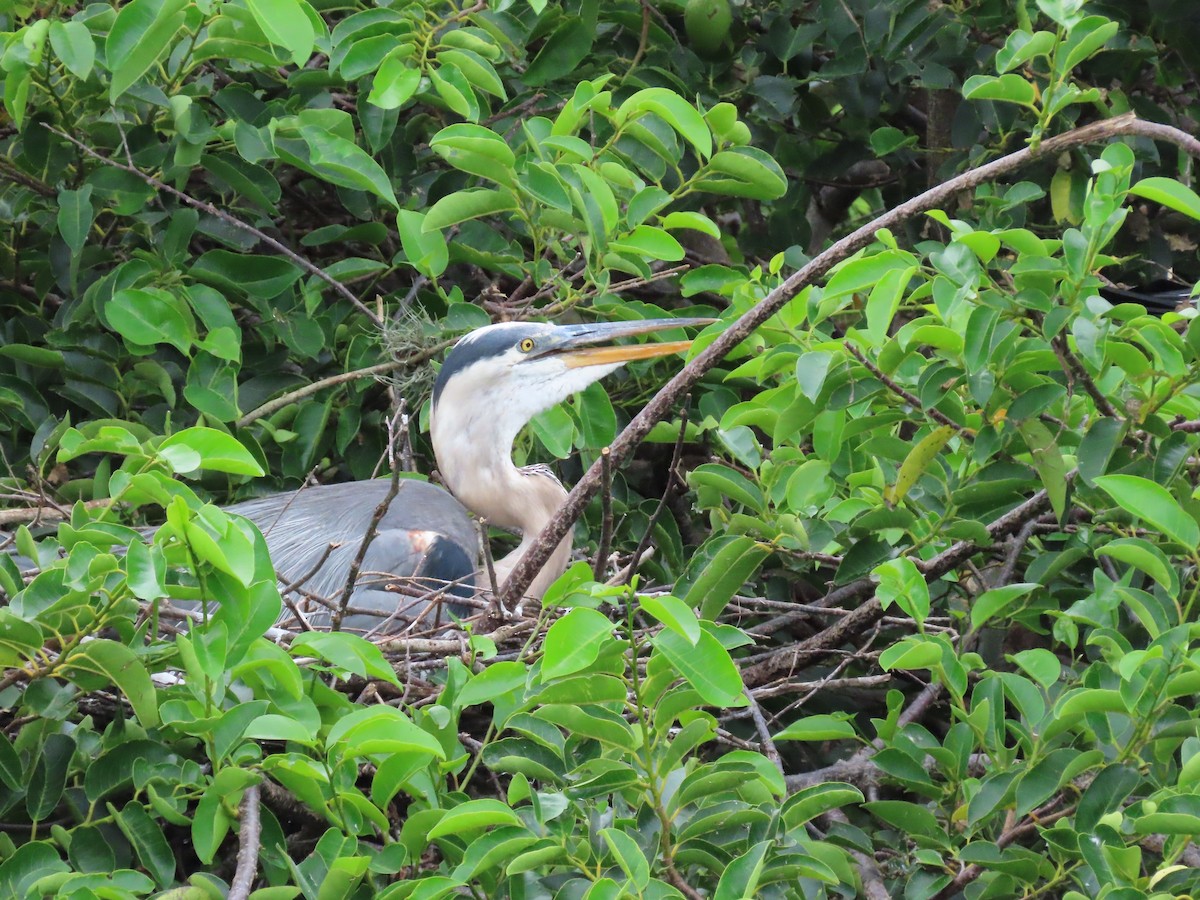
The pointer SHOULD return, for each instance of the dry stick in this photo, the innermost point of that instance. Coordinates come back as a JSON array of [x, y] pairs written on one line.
[[485, 549], [662, 402], [1180, 424], [915, 402], [769, 750], [248, 842], [201, 205], [606, 525], [335, 621], [1074, 369], [676, 455]]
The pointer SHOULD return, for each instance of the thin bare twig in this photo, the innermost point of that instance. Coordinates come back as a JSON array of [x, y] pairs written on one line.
[[672, 475], [556, 529], [606, 524], [335, 621], [911, 399], [769, 750]]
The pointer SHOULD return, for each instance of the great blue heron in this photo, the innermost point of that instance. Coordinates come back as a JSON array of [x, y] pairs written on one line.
[[492, 383]]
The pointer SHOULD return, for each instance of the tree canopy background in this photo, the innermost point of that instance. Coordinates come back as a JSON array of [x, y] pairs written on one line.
[[920, 613]]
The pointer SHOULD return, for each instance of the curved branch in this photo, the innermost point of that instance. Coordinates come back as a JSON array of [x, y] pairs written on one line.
[[248, 842], [554, 531]]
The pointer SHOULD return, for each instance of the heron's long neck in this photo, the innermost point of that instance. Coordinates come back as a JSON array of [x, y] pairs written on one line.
[[481, 474]]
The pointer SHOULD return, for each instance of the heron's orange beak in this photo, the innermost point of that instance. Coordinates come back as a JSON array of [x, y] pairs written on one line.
[[577, 347]]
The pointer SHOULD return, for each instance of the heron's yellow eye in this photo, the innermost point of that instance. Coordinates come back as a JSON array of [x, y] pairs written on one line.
[[526, 345]]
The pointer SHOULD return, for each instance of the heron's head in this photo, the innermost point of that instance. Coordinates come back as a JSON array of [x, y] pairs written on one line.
[[498, 378]]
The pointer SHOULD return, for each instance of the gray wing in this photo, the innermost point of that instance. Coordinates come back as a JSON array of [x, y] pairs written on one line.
[[426, 540]]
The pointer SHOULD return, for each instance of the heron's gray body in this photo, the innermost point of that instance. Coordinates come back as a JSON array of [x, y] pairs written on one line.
[[425, 542], [493, 382]]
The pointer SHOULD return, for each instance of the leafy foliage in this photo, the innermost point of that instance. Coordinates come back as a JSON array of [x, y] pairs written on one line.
[[926, 622]]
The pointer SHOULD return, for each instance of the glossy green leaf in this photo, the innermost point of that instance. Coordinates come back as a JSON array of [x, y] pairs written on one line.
[[464, 205], [574, 642], [1153, 504], [286, 24], [818, 728], [721, 568], [73, 44], [1010, 88], [143, 31], [473, 816], [1170, 193], [706, 665], [151, 316], [118, 663]]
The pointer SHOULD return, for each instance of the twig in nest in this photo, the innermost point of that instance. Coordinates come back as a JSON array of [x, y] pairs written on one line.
[[672, 476], [335, 622], [606, 525]]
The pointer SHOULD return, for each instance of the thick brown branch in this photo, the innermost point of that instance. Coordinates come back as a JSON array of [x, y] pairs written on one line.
[[662, 402], [249, 835]]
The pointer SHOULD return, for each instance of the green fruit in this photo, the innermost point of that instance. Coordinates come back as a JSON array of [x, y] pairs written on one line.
[[707, 24]]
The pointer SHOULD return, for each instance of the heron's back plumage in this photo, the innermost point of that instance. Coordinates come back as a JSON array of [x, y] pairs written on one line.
[[425, 539]]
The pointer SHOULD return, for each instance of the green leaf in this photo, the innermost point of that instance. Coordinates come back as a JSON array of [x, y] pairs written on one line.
[[674, 110], [1011, 88], [122, 667], [706, 665], [901, 582], [1144, 556], [470, 204], [12, 772], [73, 44], [991, 603], [347, 162], [286, 24], [425, 250], [741, 877], [1170, 193], [819, 728], [147, 838], [494, 681], [728, 483], [348, 651], [629, 856], [691, 220], [743, 172], [722, 572], [1048, 461], [1085, 38], [673, 613], [151, 316], [655, 243], [48, 775], [1152, 503], [810, 802], [395, 82], [75, 217], [1021, 47], [574, 642], [143, 31], [216, 451], [380, 729], [474, 815]]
